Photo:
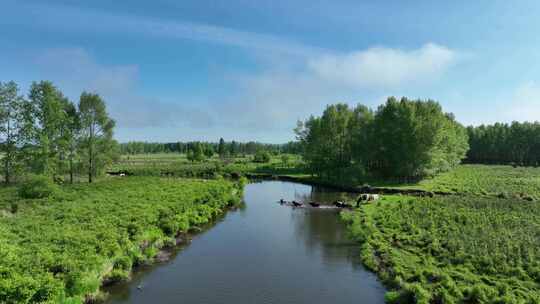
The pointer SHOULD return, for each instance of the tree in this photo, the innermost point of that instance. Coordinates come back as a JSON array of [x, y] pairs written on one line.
[[403, 139], [285, 159], [333, 142], [72, 133], [47, 113], [208, 151], [415, 138], [196, 153], [233, 148], [221, 148], [262, 157], [11, 127], [96, 133], [515, 143]]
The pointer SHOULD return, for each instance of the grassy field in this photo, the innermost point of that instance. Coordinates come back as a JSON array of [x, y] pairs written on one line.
[[60, 249], [479, 180], [174, 164], [485, 179], [481, 245]]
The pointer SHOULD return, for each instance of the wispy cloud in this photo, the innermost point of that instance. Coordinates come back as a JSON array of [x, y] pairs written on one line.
[[276, 98], [72, 19], [384, 67]]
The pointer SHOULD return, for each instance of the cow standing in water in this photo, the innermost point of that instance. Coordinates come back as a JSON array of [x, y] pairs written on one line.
[[296, 204]]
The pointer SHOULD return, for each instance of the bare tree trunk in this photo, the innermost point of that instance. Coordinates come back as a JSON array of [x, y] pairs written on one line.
[[7, 163], [6, 172], [71, 169], [90, 165], [91, 154]]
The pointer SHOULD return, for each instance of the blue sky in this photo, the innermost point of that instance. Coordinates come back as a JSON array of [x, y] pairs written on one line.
[[247, 70]]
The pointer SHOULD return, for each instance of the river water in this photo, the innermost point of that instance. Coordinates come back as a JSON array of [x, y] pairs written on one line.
[[263, 253]]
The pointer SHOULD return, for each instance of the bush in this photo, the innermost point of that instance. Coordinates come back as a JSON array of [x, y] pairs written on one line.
[[37, 186], [262, 157]]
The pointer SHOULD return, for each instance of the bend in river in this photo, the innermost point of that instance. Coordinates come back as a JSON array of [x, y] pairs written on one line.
[[265, 253]]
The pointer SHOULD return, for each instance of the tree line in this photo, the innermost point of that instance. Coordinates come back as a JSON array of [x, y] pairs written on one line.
[[403, 139], [516, 143], [47, 134], [222, 148]]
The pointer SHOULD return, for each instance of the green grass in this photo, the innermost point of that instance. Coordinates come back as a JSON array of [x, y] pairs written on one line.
[[456, 249], [485, 179], [480, 245], [479, 180], [60, 249], [178, 165]]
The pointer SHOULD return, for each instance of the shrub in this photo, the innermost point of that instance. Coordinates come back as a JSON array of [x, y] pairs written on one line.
[[14, 207], [37, 186], [262, 157], [118, 275]]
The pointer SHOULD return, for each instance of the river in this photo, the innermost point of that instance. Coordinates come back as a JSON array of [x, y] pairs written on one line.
[[263, 253]]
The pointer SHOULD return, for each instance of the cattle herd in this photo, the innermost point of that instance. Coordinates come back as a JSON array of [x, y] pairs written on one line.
[[362, 198]]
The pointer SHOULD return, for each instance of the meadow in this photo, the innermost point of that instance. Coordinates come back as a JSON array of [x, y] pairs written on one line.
[[62, 248], [480, 245], [467, 179], [177, 164], [505, 181], [452, 249]]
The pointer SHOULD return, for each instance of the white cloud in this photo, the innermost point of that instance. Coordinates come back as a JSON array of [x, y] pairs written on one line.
[[384, 67], [277, 97]]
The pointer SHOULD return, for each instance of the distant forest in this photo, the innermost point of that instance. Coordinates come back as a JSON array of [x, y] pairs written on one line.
[[516, 144], [505, 144], [223, 148]]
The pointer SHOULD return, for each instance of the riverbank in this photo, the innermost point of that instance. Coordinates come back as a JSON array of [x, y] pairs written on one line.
[[490, 181], [63, 248], [480, 246], [313, 181]]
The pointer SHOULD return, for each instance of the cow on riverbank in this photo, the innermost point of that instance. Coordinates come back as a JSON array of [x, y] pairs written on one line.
[[366, 197]]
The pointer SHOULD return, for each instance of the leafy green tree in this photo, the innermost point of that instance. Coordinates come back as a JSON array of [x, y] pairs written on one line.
[[329, 142], [403, 139], [415, 138], [359, 132], [11, 127], [221, 148], [72, 133], [262, 157], [285, 158], [96, 133], [516, 143], [208, 151], [233, 149], [196, 153], [47, 111]]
